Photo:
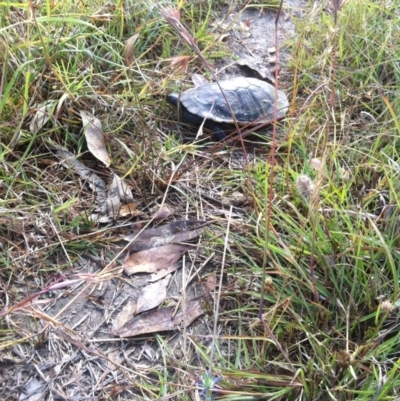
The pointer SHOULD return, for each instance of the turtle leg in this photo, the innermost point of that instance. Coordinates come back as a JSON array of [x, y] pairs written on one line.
[[196, 120], [219, 133]]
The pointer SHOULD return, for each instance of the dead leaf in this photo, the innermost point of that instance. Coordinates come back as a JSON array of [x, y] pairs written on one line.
[[104, 17], [113, 201], [104, 13], [120, 187], [41, 117], [128, 311], [95, 137], [162, 213], [152, 260], [129, 52], [114, 358], [131, 210], [33, 391], [178, 231], [113, 208], [152, 295], [162, 319], [235, 198], [211, 284], [118, 191], [162, 273], [70, 161]]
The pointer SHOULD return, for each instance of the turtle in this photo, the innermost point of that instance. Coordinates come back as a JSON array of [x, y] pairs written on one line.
[[251, 100]]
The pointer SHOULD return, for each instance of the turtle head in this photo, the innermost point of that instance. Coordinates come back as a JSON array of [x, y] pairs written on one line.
[[173, 98]]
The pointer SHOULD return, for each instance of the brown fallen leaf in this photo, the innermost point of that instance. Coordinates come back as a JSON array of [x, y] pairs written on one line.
[[162, 273], [152, 295], [120, 187], [178, 231], [95, 137], [131, 210], [152, 260], [234, 198], [117, 192], [162, 319], [211, 284], [127, 312], [161, 213]]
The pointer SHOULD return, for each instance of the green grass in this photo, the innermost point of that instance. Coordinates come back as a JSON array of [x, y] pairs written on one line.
[[327, 266]]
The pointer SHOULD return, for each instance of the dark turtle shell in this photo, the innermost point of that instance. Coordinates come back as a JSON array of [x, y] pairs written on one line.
[[251, 100]]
